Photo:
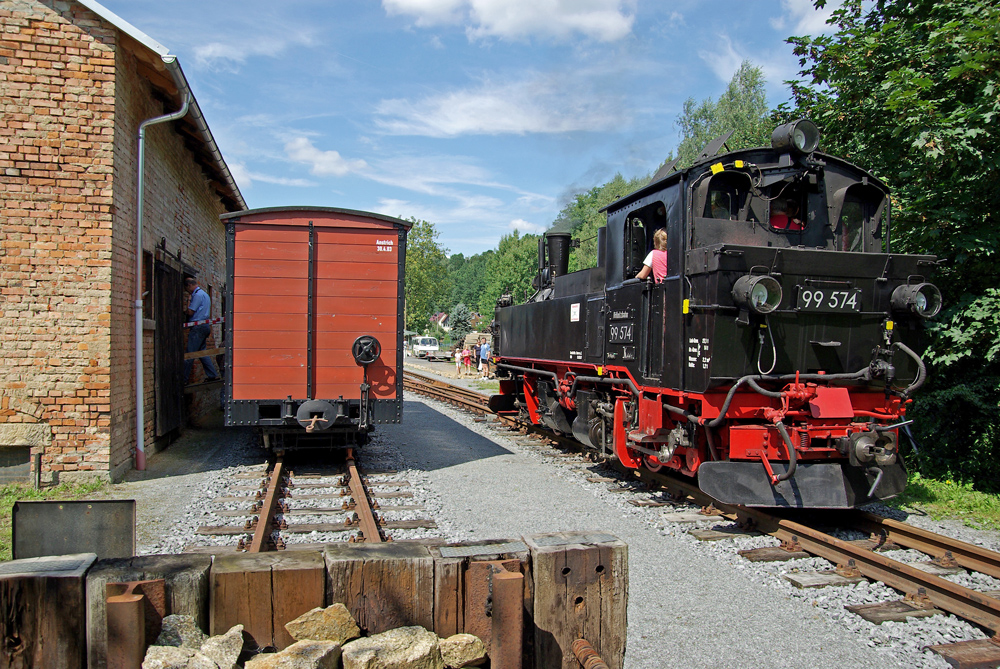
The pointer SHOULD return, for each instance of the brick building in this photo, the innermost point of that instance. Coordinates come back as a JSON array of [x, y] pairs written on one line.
[[76, 82]]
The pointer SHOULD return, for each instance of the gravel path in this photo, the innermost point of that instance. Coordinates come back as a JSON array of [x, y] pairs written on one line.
[[691, 603]]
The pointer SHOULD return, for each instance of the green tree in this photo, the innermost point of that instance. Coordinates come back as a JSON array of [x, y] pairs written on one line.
[[510, 269], [582, 217], [426, 275], [911, 90], [742, 108], [460, 321], [468, 279]]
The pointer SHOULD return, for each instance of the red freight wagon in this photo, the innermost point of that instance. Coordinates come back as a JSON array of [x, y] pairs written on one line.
[[314, 323]]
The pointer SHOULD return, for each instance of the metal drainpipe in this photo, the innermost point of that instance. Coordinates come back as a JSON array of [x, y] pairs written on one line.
[[140, 429]]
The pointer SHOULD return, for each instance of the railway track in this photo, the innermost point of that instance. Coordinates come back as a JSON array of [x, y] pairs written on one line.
[[284, 505], [926, 591]]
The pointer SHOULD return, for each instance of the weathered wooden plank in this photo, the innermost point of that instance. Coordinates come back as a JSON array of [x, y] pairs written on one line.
[[895, 611], [383, 585], [448, 605], [241, 595], [580, 590], [298, 582], [185, 578], [821, 579], [43, 613]]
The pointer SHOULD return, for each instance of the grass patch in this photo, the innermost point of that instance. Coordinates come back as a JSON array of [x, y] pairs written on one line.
[[485, 385], [13, 492], [948, 499]]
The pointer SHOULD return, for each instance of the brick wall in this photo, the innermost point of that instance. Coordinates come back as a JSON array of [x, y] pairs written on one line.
[[71, 104], [180, 208], [57, 87]]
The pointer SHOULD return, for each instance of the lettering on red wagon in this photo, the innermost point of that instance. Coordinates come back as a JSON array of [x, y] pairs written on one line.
[[384, 245]]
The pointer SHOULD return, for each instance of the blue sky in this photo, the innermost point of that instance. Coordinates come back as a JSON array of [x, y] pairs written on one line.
[[480, 116]]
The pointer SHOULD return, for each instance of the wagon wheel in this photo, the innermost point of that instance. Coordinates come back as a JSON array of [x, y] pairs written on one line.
[[366, 349]]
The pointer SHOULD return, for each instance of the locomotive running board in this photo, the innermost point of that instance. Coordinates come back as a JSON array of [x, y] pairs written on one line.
[[814, 485]]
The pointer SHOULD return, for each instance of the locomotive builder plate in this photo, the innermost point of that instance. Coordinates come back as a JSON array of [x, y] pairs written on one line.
[[829, 300]]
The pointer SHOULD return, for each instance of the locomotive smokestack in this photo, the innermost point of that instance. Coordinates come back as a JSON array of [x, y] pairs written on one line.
[[559, 252]]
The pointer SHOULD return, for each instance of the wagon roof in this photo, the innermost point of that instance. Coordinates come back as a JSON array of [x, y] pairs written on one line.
[[289, 211]]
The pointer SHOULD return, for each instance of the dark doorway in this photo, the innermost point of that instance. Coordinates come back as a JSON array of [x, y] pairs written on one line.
[[168, 344]]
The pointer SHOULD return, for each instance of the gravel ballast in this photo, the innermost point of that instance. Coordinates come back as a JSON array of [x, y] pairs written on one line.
[[691, 603]]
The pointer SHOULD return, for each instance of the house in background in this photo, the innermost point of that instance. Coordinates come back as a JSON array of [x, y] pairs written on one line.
[[76, 82]]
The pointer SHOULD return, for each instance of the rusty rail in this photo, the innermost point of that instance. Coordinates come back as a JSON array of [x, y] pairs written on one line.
[[966, 603], [966, 555], [963, 602], [366, 517], [445, 391], [265, 521]]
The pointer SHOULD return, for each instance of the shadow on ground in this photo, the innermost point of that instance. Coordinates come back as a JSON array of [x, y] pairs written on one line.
[[435, 441]]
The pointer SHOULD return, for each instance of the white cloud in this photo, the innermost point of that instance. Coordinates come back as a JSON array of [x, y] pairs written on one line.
[[803, 17], [725, 58], [227, 55], [427, 12], [526, 228], [603, 20], [246, 179], [322, 163], [537, 104]]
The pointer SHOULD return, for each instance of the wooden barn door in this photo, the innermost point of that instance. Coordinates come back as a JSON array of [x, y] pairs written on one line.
[[168, 347]]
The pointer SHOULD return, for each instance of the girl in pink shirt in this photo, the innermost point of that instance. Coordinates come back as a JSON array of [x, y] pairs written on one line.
[[656, 262]]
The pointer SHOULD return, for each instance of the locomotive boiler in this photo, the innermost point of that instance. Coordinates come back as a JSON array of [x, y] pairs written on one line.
[[774, 361], [314, 324]]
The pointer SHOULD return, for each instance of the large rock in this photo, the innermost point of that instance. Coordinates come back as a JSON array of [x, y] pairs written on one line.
[[300, 655], [334, 623], [182, 631], [463, 650], [401, 648], [175, 657], [225, 649]]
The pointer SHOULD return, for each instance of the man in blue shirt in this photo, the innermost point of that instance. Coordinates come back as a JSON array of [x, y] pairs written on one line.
[[199, 309], [484, 353]]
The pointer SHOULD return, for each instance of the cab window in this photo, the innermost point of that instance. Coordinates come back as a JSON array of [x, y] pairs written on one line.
[[726, 197], [858, 221], [635, 245]]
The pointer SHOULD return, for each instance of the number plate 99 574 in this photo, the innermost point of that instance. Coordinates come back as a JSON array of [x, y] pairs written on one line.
[[828, 299]]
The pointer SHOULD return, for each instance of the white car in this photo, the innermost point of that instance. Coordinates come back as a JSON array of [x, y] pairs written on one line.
[[427, 347]]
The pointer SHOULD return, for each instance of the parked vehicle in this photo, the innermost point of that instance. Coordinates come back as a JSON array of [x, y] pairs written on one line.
[[428, 348]]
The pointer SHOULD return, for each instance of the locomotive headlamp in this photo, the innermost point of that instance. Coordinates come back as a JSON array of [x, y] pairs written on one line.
[[760, 294], [801, 136], [923, 299]]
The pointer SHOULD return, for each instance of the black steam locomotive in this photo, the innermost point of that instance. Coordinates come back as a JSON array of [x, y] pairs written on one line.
[[773, 361]]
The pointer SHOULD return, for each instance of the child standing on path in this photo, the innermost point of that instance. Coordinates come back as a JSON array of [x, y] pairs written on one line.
[[458, 362], [467, 357]]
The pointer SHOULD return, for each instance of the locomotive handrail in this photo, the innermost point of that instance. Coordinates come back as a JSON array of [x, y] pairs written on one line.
[[529, 370], [610, 380]]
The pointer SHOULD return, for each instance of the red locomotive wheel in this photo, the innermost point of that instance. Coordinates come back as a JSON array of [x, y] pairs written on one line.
[[652, 463]]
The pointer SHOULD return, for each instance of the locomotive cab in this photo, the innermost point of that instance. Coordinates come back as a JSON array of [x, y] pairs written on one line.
[[775, 359]]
